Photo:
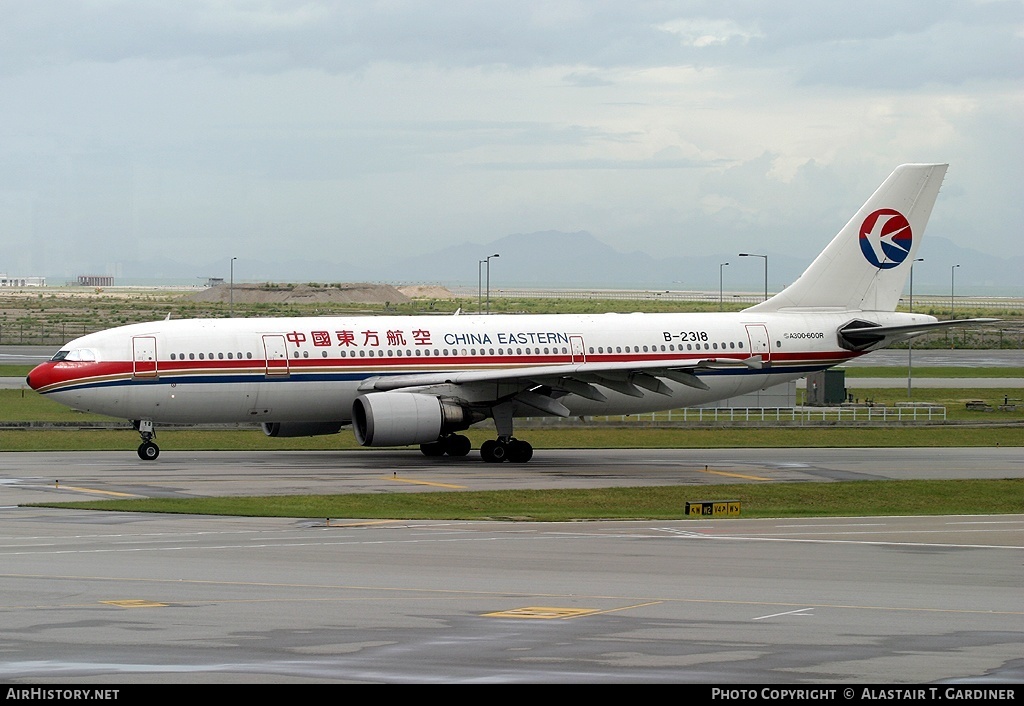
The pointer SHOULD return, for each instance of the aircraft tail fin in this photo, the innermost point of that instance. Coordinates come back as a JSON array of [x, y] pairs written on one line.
[[866, 265]]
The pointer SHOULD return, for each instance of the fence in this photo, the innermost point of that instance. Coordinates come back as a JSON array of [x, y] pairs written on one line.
[[43, 334], [772, 415]]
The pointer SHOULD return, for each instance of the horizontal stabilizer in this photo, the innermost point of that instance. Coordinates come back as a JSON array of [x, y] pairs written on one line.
[[861, 334], [917, 328]]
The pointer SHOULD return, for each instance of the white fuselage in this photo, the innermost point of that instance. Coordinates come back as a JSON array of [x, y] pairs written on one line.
[[310, 369]]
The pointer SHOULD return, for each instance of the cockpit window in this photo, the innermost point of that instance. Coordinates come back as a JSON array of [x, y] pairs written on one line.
[[76, 355]]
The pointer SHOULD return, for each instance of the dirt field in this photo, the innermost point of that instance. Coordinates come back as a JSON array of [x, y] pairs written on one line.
[[356, 293]]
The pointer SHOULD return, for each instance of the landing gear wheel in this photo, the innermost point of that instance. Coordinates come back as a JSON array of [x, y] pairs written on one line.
[[493, 451], [519, 451], [457, 445], [434, 448], [148, 451]]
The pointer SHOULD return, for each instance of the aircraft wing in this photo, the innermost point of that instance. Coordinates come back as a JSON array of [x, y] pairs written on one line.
[[584, 379]]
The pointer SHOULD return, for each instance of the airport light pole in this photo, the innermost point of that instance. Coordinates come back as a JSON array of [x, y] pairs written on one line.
[[750, 254], [910, 343], [488, 261], [479, 286], [231, 291], [720, 266], [952, 289]]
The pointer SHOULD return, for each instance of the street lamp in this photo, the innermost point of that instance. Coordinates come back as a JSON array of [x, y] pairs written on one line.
[[231, 290], [479, 286], [910, 343], [918, 259], [488, 261], [952, 288], [720, 266], [748, 254]]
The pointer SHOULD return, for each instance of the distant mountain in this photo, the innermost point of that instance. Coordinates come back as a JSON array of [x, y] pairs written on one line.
[[555, 259]]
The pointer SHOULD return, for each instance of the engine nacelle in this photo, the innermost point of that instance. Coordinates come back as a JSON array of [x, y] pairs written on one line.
[[289, 429], [404, 418]]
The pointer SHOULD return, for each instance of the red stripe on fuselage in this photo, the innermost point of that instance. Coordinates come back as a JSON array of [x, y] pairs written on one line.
[[62, 372]]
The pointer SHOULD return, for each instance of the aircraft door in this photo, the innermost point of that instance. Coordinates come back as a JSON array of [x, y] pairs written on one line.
[[277, 355], [576, 346], [757, 335], [144, 357]]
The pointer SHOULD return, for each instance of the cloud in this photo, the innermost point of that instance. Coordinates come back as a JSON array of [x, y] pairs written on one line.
[[356, 128]]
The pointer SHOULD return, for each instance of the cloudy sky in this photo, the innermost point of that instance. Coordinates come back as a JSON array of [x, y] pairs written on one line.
[[198, 130]]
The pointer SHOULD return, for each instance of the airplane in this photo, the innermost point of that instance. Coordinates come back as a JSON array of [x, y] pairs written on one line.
[[406, 380]]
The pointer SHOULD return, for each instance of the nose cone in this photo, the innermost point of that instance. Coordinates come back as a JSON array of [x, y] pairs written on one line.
[[38, 376]]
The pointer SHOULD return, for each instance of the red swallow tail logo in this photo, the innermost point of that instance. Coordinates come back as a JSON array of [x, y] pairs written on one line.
[[885, 238]]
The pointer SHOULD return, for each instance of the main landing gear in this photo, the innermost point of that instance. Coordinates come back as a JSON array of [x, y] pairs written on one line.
[[506, 449], [492, 450], [148, 450], [453, 445]]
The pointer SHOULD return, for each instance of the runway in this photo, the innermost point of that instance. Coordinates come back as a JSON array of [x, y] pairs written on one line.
[[122, 598]]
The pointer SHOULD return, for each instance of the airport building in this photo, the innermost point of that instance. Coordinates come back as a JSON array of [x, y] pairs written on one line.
[[10, 281], [95, 281]]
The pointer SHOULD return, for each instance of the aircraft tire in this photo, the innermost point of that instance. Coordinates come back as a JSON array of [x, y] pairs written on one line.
[[458, 445], [148, 451], [493, 451], [519, 451], [434, 448]]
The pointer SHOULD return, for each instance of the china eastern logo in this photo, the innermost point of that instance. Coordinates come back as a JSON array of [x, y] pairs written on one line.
[[885, 238]]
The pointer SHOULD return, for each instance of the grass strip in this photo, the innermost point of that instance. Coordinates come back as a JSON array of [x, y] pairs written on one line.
[[848, 499]]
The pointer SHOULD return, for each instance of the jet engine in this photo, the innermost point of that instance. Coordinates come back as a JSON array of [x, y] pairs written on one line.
[[289, 429], [404, 418]]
